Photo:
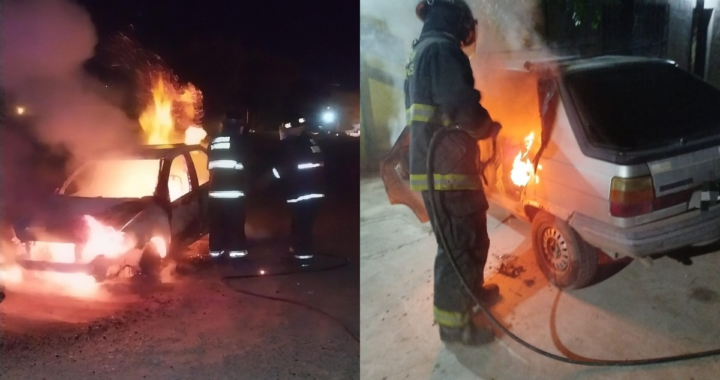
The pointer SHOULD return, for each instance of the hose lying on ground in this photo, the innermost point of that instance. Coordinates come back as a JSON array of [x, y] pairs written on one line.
[[496, 322], [269, 273]]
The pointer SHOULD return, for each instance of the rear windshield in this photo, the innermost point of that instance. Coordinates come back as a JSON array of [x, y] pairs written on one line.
[[644, 106]]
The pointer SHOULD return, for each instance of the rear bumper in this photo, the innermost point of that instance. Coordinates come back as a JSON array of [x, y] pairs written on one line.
[[664, 235]]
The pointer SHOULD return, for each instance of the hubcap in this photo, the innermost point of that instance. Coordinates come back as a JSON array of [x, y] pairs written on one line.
[[555, 250]]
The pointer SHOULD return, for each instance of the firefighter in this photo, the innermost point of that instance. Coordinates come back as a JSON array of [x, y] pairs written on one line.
[[440, 93], [302, 172], [228, 186]]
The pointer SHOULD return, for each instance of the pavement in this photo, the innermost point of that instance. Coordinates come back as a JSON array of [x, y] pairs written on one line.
[[631, 312], [195, 325]]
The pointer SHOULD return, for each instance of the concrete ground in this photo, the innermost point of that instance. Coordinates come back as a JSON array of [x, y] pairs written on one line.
[[197, 326], [632, 312]]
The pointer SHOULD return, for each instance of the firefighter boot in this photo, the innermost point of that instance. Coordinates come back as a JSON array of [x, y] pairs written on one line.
[[489, 294], [469, 335]]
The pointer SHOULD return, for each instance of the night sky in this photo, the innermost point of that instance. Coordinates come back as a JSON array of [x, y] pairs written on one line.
[[274, 56]]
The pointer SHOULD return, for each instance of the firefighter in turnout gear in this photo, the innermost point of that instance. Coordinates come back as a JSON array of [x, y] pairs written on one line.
[[440, 93], [303, 176], [226, 163]]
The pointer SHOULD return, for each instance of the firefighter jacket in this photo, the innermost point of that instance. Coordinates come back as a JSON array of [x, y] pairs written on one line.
[[440, 93], [227, 160], [302, 169]]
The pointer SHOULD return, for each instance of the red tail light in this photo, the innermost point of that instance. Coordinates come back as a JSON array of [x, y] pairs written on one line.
[[631, 196]]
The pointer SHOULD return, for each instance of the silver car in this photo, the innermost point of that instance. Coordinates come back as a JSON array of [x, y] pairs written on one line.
[[622, 157]]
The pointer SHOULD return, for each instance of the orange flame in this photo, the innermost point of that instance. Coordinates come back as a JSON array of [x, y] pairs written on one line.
[[522, 169], [173, 109], [104, 241], [194, 135]]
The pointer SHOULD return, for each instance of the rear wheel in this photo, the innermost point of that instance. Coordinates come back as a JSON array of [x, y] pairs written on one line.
[[565, 259]]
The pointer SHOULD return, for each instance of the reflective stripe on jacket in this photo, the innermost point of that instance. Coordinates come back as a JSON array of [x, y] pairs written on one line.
[[302, 169], [440, 93], [227, 165]]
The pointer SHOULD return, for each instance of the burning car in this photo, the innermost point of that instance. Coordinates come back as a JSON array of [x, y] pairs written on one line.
[[126, 210], [619, 155]]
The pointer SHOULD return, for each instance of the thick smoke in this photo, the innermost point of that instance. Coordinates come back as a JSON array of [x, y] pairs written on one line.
[[507, 37], [44, 45]]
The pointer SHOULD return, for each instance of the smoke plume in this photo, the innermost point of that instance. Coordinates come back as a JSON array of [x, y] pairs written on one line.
[[44, 45]]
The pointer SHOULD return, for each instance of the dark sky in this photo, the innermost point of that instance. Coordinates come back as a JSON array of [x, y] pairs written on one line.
[[309, 43]]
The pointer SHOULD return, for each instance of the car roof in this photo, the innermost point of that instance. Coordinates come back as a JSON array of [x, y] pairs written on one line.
[[152, 151]]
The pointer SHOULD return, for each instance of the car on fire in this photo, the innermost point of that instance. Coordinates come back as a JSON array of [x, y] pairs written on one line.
[[119, 211], [619, 155]]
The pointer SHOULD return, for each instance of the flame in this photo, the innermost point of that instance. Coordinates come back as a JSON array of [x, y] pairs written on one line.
[[174, 108], [104, 241], [101, 240], [522, 169], [160, 245], [11, 275], [194, 135]]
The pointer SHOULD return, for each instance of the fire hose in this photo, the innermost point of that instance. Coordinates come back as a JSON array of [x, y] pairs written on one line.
[[479, 304], [303, 269]]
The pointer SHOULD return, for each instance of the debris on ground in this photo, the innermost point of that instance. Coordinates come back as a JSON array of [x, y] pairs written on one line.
[[510, 270]]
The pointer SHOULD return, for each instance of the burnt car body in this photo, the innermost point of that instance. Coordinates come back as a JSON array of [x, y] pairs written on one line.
[[627, 161], [152, 191]]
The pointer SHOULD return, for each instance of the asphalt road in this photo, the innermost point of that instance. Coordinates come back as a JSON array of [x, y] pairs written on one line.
[[196, 326]]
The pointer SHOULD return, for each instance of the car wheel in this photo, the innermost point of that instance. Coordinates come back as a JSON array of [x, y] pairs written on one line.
[[565, 259], [99, 269], [150, 261]]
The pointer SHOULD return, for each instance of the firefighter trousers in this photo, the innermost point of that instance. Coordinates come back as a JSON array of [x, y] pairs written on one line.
[[304, 214], [462, 219], [227, 224]]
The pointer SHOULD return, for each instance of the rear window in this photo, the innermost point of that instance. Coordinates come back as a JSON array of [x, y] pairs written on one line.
[[644, 106]]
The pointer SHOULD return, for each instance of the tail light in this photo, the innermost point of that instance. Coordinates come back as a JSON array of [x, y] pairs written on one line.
[[631, 196], [636, 196]]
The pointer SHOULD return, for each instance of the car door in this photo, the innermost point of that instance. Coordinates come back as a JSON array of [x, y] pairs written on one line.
[[184, 199], [201, 184]]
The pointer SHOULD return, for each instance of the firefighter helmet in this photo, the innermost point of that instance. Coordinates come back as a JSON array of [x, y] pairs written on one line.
[[468, 22], [236, 118]]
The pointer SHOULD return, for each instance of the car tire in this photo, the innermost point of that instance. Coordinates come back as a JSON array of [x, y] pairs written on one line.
[[566, 260], [150, 261], [99, 269]]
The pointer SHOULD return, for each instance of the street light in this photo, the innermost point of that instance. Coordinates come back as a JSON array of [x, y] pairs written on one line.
[[20, 110], [328, 117]]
